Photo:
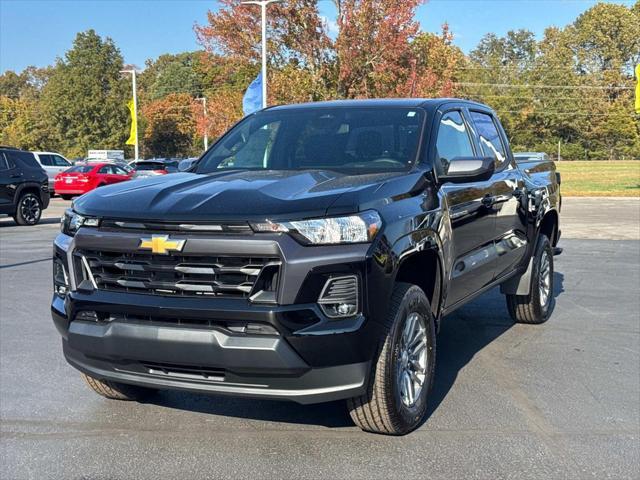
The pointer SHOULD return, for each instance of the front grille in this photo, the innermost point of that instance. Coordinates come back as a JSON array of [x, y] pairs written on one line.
[[182, 275]]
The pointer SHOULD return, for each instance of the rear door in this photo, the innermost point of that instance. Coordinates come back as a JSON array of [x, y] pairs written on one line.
[[8, 176], [119, 174], [60, 164], [46, 162], [472, 222], [508, 203]]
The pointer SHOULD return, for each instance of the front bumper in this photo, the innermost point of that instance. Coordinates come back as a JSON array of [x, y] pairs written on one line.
[[136, 339]]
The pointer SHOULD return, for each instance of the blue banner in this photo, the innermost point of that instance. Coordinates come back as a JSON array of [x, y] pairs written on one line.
[[252, 100]]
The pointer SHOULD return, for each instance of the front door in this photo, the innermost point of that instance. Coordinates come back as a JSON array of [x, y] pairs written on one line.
[[472, 218], [507, 196]]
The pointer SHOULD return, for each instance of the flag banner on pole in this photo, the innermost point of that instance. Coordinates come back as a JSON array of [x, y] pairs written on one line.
[[638, 89], [134, 124], [252, 100]]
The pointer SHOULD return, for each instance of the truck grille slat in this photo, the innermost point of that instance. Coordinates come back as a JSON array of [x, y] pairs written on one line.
[[183, 275]]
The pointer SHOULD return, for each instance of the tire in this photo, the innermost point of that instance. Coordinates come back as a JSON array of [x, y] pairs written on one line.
[[66, 197], [385, 407], [28, 209], [536, 307], [115, 390]]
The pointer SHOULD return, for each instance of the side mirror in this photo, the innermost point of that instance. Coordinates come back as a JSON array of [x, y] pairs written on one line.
[[186, 164], [469, 169]]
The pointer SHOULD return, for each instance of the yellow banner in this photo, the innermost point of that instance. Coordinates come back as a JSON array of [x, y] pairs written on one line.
[[134, 124]]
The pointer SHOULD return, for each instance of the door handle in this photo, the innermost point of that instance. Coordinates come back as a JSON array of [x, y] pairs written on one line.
[[487, 201]]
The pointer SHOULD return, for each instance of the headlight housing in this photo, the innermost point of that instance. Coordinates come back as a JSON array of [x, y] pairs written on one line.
[[358, 228], [71, 221]]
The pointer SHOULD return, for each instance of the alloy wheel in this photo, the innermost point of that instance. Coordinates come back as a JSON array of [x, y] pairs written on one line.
[[30, 209], [412, 359], [544, 279]]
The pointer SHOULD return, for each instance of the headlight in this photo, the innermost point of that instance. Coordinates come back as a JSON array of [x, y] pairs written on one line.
[[360, 228], [72, 221]]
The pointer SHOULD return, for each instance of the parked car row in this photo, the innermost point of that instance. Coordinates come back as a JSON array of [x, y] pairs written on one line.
[[29, 179]]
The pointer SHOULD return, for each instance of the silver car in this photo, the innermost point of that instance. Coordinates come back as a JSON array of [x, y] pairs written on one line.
[[52, 163]]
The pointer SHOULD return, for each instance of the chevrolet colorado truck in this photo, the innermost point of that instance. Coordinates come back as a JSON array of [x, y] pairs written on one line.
[[309, 255]]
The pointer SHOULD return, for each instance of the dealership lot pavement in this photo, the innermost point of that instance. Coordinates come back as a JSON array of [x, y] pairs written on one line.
[[560, 400]]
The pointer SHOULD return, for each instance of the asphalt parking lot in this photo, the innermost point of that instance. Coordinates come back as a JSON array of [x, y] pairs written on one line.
[[561, 400]]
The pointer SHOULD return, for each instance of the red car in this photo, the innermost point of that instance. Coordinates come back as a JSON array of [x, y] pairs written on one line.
[[81, 179]]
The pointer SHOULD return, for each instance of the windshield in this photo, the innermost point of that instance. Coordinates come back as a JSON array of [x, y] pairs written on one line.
[[149, 166], [353, 139], [80, 169]]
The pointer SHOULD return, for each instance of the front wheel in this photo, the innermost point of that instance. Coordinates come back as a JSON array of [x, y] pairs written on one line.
[[401, 378], [28, 210], [116, 390], [536, 307]]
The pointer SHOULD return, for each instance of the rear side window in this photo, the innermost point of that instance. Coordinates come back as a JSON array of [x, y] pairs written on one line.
[[26, 159], [58, 161], [452, 140], [3, 163], [46, 160], [490, 139]]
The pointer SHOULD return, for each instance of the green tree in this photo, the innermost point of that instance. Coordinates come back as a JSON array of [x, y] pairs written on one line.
[[168, 74], [86, 95]]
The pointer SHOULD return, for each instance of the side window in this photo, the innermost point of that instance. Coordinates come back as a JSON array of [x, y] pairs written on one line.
[[3, 163], [452, 140], [490, 139], [46, 160], [22, 158], [119, 171], [58, 161], [106, 169]]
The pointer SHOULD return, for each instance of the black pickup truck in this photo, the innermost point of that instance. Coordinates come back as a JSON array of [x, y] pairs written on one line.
[[309, 255]]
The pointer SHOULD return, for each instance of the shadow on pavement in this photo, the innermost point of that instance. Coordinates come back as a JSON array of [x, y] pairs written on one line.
[[463, 334], [10, 222]]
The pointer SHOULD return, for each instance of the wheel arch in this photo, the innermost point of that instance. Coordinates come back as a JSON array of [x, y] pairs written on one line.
[[27, 188], [549, 226], [424, 269]]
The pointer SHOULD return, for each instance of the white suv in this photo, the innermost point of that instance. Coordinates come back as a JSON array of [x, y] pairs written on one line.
[[52, 163]]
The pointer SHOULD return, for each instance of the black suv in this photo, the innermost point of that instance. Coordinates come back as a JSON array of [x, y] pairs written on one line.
[[311, 255], [24, 186]]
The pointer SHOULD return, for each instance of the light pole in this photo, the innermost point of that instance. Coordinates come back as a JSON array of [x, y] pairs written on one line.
[[206, 125], [135, 106], [263, 10]]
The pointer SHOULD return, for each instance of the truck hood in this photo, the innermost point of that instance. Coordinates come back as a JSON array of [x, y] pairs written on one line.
[[232, 195]]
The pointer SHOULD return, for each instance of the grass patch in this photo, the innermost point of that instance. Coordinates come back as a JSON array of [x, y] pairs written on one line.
[[619, 178]]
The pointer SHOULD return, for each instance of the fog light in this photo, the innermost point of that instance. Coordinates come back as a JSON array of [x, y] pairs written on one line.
[[339, 297]]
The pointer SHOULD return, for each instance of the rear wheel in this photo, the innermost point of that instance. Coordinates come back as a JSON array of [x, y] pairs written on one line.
[[28, 210], [537, 306], [66, 197], [115, 390], [401, 378]]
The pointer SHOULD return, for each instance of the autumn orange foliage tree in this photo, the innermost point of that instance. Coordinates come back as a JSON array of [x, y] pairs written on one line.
[[378, 51], [170, 126]]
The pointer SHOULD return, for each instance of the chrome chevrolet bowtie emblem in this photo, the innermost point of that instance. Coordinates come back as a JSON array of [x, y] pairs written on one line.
[[161, 244]]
